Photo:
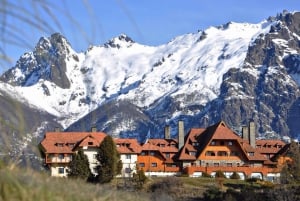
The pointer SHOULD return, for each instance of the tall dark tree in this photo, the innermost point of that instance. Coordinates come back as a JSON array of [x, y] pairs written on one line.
[[109, 160], [79, 166]]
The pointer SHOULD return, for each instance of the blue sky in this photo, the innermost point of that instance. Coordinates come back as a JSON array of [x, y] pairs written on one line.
[[149, 22]]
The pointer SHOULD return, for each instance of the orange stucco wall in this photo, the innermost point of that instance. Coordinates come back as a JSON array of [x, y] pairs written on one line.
[[161, 166]]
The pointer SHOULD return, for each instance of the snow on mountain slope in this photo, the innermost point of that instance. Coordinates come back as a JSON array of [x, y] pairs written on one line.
[[123, 69]]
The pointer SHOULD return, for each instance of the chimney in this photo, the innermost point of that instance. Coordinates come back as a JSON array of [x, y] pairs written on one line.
[[180, 134], [252, 134], [94, 129], [245, 133], [167, 132]]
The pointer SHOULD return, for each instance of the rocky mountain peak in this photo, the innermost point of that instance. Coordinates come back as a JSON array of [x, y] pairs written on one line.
[[47, 62], [121, 41]]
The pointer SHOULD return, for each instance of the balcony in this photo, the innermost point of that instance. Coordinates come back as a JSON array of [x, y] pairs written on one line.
[[57, 159]]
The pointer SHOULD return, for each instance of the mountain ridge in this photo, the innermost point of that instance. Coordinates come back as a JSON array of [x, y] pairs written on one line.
[[235, 72]]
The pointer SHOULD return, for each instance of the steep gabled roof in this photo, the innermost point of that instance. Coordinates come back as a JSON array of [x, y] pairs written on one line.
[[65, 142], [218, 131], [91, 140], [190, 138]]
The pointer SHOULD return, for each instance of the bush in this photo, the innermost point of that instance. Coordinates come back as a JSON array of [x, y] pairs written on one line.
[[206, 175], [220, 174], [235, 175], [166, 184]]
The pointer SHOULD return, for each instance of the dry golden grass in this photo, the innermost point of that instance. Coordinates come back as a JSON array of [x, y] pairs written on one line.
[[27, 185]]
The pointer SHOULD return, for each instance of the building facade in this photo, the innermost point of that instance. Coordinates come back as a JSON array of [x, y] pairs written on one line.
[[201, 150]]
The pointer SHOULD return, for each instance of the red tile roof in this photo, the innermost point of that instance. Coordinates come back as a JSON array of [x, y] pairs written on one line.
[[218, 131], [269, 146], [165, 145], [65, 142], [128, 146]]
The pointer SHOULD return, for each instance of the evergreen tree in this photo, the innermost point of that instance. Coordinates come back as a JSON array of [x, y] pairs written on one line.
[[109, 160], [79, 166]]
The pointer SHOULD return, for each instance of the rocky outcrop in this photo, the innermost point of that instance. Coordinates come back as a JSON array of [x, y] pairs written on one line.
[[47, 61]]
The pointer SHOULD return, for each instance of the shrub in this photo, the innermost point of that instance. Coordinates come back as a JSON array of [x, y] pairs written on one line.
[[220, 174], [166, 184], [235, 175]]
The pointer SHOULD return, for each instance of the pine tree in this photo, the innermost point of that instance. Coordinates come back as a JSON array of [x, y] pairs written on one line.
[[109, 160], [79, 166]]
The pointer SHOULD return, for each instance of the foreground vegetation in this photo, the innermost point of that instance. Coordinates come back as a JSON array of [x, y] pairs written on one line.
[[28, 185]]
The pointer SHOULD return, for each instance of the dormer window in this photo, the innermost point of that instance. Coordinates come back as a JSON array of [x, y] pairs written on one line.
[[250, 153], [213, 143], [60, 144], [162, 145], [90, 143], [71, 145], [195, 144]]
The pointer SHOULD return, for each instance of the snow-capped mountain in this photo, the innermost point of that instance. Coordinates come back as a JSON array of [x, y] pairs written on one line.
[[236, 72]]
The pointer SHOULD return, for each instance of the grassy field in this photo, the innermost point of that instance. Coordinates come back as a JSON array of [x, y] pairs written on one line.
[[28, 185]]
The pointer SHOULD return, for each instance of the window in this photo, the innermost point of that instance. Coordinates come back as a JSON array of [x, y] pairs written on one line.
[[61, 170], [143, 153], [222, 143], [90, 143], [152, 153], [162, 145], [210, 153], [71, 145], [127, 170], [153, 164], [142, 164], [213, 143], [216, 164], [60, 144], [167, 155], [128, 156], [195, 144], [192, 153], [94, 156], [61, 156], [251, 154], [230, 143], [229, 164], [234, 153], [222, 153], [171, 165]]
